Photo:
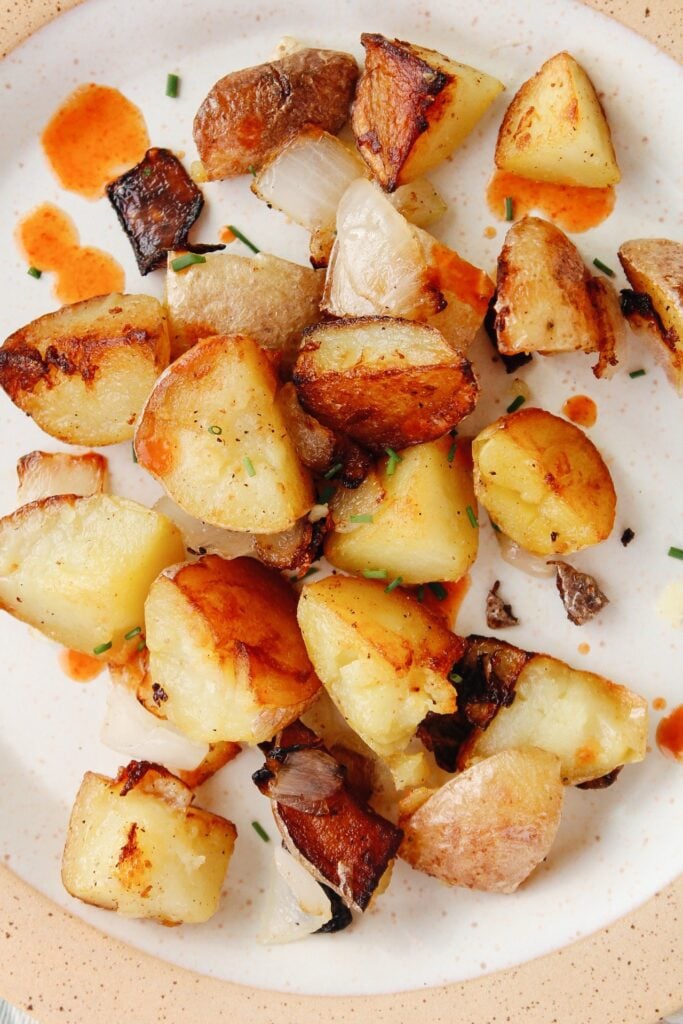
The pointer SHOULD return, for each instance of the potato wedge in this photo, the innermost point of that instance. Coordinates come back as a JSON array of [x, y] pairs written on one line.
[[269, 299], [249, 114], [212, 434], [420, 529], [78, 569], [555, 129], [136, 845], [413, 107], [384, 382], [489, 827], [225, 647], [543, 482], [654, 267], [83, 372], [44, 474], [383, 658]]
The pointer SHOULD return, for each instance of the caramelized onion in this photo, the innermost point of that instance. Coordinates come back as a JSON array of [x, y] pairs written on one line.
[[296, 905], [307, 780], [521, 559]]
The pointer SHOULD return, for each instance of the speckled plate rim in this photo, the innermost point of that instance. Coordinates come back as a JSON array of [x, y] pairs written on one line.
[[64, 971]]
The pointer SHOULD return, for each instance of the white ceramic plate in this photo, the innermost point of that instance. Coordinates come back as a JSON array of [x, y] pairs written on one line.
[[614, 849]]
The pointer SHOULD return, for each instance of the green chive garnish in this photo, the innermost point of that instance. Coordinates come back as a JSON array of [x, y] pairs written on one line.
[[471, 516], [454, 677], [333, 470], [603, 267], [186, 260], [508, 208], [242, 238], [260, 831], [421, 593], [252, 170], [214, 429], [451, 451], [394, 583], [132, 448], [172, 85], [637, 373], [438, 590], [34, 272], [375, 574], [101, 648], [325, 494], [249, 466], [133, 632], [676, 553], [365, 518], [515, 403], [141, 646], [394, 459]]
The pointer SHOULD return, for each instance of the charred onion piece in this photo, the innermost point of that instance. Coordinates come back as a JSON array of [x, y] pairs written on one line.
[[307, 780], [580, 594], [637, 304], [341, 915], [157, 203], [603, 782], [498, 614], [511, 363]]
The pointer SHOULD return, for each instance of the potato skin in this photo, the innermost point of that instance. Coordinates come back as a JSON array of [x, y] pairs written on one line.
[[44, 474], [249, 114]]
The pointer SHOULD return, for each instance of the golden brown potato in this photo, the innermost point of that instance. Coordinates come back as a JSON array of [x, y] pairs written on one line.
[[555, 129], [225, 647], [654, 267], [44, 474], [413, 107], [548, 302], [490, 826], [543, 482], [269, 299], [83, 372], [384, 382], [212, 434], [78, 569], [218, 756], [249, 114], [136, 845]]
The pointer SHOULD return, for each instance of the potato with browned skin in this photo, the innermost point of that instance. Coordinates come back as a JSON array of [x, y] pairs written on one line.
[[44, 474]]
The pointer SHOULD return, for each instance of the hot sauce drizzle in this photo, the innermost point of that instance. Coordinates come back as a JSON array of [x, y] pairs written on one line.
[[572, 207], [670, 735], [581, 409], [78, 666]]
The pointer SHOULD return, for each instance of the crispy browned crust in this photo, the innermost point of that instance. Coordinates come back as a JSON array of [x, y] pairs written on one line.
[[397, 95], [25, 463], [250, 113], [293, 549], [218, 756]]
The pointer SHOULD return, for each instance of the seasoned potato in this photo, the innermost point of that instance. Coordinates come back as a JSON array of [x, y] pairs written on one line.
[[489, 827], [78, 569], [548, 302], [83, 372], [591, 724], [213, 435], [225, 647], [269, 299], [555, 129], [383, 658], [43, 474], [543, 482], [654, 267], [384, 382], [413, 107], [136, 845], [420, 529], [249, 114]]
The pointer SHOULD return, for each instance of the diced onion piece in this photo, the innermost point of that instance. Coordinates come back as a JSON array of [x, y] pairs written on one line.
[[418, 202], [306, 780], [521, 559], [131, 730], [361, 502], [296, 905], [44, 474], [199, 535]]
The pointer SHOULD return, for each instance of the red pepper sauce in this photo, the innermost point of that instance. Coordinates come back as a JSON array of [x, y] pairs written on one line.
[[78, 666], [670, 735], [572, 207], [468, 283], [581, 409]]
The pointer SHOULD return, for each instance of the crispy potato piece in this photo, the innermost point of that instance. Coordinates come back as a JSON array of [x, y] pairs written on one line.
[[83, 372], [384, 382], [419, 529], [543, 482], [44, 474], [383, 658], [78, 569], [654, 267], [249, 114], [136, 845], [413, 107], [489, 827], [225, 646], [213, 435], [555, 129]]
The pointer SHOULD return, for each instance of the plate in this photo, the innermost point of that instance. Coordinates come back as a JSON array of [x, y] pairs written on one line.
[[615, 848]]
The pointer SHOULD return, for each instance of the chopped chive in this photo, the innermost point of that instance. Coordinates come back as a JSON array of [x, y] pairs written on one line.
[[141, 646], [325, 494], [215, 429], [394, 583], [451, 451], [454, 677], [333, 470], [509, 212], [637, 373], [249, 466], [515, 403], [260, 831], [421, 593], [676, 553], [603, 267], [172, 85], [132, 633], [375, 574], [101, 648], [186, 260], [438, 590], [242, 238], [365, 518], [472, 518], [252, 170], [34, 272], [132, 448], [394, 459]]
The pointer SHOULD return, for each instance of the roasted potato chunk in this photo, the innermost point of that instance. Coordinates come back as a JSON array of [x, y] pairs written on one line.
[[383, 658], [212, 434], [413, 107], [489, 827], [225, 647], [384, 382], [136, 845], [269, 299], [543, 482], [555, 129], [654, 267], [249, 114], [78, 569], [419, 530], [44, 474], [83, 372]]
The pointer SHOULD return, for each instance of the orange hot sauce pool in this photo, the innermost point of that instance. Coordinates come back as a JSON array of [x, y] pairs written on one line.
[[573, 207], [581, 409], [670, 735], [79, 667]]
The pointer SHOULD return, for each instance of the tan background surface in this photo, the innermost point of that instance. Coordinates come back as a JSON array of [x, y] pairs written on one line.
[[64, 972]]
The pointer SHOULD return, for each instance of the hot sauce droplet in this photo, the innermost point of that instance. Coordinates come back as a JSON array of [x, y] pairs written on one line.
[[584, 648], [581, 409], [670, 735], [659, 703], [572, 207], [78, 666]]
